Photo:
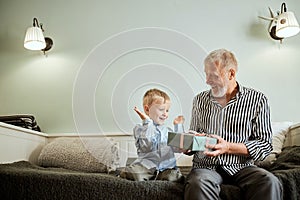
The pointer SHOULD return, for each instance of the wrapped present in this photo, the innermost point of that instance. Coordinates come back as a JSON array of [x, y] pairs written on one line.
[[189, 141]]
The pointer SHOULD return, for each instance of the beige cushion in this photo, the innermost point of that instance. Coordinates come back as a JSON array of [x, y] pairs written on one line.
[[279, 130], [293, 136], [80, 154]]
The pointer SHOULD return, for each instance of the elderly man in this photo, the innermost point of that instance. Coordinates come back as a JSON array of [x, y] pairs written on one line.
[[239, 117]]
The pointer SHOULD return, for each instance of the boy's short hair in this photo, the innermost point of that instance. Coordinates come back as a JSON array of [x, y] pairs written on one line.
[[153, 94]]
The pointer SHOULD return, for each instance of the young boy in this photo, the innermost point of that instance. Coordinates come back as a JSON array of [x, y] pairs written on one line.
[[156, 160]]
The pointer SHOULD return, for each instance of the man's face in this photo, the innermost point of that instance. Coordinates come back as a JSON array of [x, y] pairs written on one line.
[[217, 79], [159, 111]]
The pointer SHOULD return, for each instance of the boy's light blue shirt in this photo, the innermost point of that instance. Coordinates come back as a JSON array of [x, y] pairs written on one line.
[[151, 143]]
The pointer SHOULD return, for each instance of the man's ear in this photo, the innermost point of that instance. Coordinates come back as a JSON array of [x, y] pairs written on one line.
[[231, 74]]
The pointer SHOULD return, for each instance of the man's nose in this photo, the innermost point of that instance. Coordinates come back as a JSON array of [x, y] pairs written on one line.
[[208, 80]]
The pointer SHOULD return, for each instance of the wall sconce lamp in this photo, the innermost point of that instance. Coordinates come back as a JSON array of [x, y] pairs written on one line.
[[283, 25], [35, 40]]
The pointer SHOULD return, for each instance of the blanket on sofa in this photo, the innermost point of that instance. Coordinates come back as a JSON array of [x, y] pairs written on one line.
[[23, 180], [287, 168]]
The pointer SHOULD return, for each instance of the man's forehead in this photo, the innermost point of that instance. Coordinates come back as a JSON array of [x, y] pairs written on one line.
[[211, 68]]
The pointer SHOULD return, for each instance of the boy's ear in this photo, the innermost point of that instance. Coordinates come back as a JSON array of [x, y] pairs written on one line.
[[146, 108]]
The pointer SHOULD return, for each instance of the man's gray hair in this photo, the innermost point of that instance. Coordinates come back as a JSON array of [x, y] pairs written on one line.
[[222, 57]]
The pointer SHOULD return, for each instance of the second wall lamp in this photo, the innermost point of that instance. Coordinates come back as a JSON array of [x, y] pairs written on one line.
[[34, 38], [283, 25]]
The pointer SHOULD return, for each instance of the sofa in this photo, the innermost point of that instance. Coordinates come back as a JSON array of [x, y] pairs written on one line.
[[77, 168]]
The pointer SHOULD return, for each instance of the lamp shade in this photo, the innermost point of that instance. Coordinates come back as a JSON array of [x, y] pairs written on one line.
[[34, 39], [287, 25]]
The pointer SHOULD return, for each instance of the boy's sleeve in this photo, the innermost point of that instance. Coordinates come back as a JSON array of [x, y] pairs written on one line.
[[143, 134], [178, 128]]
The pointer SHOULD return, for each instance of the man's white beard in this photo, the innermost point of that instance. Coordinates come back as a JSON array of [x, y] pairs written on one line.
[[220, 93]]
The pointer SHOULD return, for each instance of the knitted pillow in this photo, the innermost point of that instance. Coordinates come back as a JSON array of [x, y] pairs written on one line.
[[80, 154]]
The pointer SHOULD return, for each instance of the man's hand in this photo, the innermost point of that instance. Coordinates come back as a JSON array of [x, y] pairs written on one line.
[[221, 147]]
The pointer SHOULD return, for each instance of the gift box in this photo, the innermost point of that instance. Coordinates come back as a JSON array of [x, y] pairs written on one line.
[[189, 141]]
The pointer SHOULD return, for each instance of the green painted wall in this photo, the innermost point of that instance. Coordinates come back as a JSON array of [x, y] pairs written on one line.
[[107, 53]]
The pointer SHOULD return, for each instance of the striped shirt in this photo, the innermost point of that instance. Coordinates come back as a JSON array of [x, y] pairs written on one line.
[[245, 119]]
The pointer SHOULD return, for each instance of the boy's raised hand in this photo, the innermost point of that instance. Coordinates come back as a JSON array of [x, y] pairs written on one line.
[[179, 120], [141, 114]]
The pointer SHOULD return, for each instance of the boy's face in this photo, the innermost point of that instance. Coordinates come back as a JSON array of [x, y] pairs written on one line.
[[158, 111]]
